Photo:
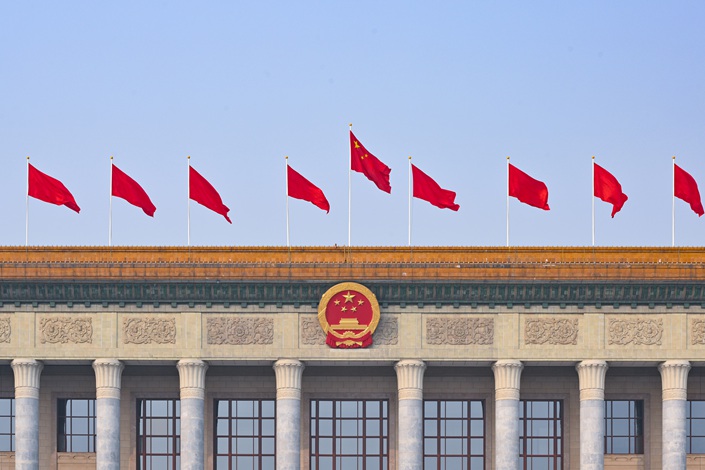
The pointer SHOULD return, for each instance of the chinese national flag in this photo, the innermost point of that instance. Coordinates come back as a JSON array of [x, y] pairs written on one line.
[[201, 191], [367, 164], [685, 187], [128, 189], [300, 188], [527, 189], [608, 189], [48, 189], [427, 189]]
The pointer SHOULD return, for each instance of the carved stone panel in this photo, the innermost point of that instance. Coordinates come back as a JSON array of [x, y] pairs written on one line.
[[149, 330], [551, 330], [697, 332], [64, 330], [387, 332], [635, 331], [311, 331], [5, 329], [239, 331], [459, 331]]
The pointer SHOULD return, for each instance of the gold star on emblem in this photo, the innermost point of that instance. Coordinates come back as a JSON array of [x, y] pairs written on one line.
[[360, 302], [337, 302], [354, 309], [343, 309], [348, 297]]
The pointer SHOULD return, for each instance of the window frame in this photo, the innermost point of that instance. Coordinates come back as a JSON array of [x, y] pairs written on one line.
[[12, 418], [68, 437], [231, 436], [467, 435], [559, 432], [636, 442], [174, 426]]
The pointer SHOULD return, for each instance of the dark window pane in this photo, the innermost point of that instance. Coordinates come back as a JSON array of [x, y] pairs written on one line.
[[624, 423], [247, 435], [158, 443], [75, 425]]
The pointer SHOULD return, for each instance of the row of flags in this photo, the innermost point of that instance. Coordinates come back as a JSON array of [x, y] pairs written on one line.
[[520, 185]]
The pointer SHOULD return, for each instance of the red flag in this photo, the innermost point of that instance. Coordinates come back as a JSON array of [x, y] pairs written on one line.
[[363, 161], [527, 189], [300, 188], [48, 189], [608, 189], [427, 189], [128, 189], [685, 187], [201, 191]]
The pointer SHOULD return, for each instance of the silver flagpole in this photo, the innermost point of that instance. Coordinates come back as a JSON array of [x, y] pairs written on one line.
[[507, 201], [349, 188], [673, 205], [110, 212], [188, 202], [593, 200], [26, 212], [409, 200], [286, 161]]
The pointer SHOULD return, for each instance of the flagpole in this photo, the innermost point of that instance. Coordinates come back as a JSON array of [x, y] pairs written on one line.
[[507, 201], [110, 212], [673, 205], [593, 200], [26, 212], [188, 202], [349, 190], [410, 200], [286, 162]]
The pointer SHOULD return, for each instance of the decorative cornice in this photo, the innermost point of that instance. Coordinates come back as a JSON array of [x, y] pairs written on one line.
[[288, 373], [507, 378], [410, 379], [108, 375], [391, 292], [192, 378], [674, 380], [591, 376], [27, 376]]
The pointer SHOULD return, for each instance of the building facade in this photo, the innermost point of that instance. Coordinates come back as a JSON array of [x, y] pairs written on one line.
[[483, 358]]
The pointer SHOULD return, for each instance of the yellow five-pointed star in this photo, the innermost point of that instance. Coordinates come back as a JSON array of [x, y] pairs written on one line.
[[362, 157], [360, 302], [348, 297], [357, 144], [343, 309], [354, 309], [337, 302]]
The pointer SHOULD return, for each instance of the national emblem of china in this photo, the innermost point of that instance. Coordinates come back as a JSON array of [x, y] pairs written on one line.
[[349, 314]]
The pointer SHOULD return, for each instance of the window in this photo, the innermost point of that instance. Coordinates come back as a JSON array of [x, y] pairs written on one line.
[[7, 424], [695, 427], [75, 425], [454, 435], [349, 434], [624, 426], [158, 434], [541, 434], [244, 434]]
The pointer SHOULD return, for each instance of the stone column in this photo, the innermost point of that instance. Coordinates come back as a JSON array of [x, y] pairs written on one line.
[[410, 412], [674, 383], [108, 375], [507, 376], [27, 375], [591, 376], [288, 373], [192, 376]]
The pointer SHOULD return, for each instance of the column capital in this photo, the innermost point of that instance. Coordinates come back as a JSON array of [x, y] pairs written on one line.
[[674, 379], [507, 377], [591, 377], [27, 374], [108, 375], [288, 373], [192, 378], [410, 379]]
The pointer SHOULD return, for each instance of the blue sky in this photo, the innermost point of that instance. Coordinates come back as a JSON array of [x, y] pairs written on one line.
[[456, 85]]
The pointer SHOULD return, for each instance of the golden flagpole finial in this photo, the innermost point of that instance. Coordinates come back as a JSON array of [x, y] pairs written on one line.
[[350, 125], [27, 157], [674, 157], [111, 157], [286, 157], [507, 157], [409, 157], [188, 158]]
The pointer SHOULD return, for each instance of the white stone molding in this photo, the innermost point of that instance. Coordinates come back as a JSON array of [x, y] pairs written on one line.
[[27, 374], [507, 377], [410, 379], [108, 377], [192, 378], [674, 379], [591, 376], [288, 373]]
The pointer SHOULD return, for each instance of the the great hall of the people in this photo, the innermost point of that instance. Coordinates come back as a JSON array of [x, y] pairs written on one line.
[[352, 358]]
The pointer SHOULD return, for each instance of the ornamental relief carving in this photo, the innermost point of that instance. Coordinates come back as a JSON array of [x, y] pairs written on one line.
[[459, 331], [387, 332], [697, 332], [311, 332], [239, 331], [635, 331], [5, 330], [149, 330], [64, 330], [561, 331]]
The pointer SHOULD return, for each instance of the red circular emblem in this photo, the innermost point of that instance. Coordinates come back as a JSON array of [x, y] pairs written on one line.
[[349, 314]]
